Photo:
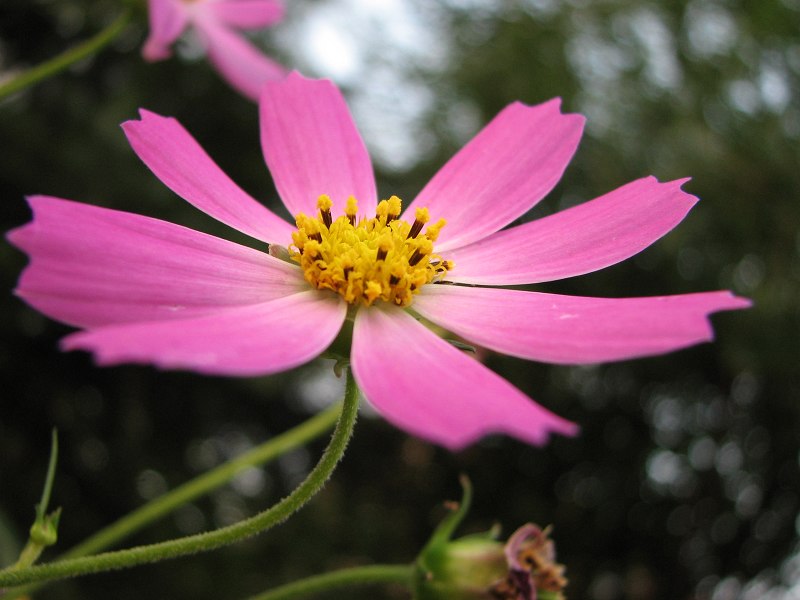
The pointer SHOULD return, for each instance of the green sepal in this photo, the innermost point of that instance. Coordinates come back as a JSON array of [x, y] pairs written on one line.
[[444, 532], [461, 569], [44, 531]]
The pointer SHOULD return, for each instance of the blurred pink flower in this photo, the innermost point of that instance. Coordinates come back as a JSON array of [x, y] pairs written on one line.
[[240, 63], [149, 291]]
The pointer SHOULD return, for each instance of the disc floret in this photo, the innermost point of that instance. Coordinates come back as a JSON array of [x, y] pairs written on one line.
[[368, 259]]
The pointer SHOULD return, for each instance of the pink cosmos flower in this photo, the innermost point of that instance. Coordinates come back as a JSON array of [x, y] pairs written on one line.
[[240, 63], [149, 291]]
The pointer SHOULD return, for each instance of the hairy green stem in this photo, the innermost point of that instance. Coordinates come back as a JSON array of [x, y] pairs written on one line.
[[196, 488], [355, 576], [191, 490], [212, 539], [44, 531], [66, 59]]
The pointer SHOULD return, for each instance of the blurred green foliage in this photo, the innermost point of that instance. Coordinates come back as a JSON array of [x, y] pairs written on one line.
[[684, 482]]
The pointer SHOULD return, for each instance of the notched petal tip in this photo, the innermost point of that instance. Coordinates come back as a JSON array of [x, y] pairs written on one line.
[[566, 428], [677, 186], [131, 125], [539, 433], [297, 75], [73, 341], [82, 341], [554, 105], [293, 78], [538, 438], [541, 436], [729, 301], [19, 236], [16, 237], [678, 182]]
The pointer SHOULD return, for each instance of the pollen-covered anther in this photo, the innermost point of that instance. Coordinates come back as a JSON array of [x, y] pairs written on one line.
[[324, 204], [394, 209], [351, 210], [422, 217], [432, 232], [381, 258]]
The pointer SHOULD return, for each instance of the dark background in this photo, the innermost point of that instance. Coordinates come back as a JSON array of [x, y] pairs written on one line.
[[684, 482]]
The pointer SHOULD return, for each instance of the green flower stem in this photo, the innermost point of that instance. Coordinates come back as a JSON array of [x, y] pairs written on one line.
[[356, 576], [44, 531], [65, 59], [41, 508], [202, 485], [212, 539]]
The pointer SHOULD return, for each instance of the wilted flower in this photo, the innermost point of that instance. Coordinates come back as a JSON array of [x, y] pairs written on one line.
[[148, 291], [478, 567], [532, 568], [241, 64]]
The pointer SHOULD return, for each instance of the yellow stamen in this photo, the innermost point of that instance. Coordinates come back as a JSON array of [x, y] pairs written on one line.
[[395, 208], [351, 210], [324, 205], [422, 217], [382, 258], [432, 232]]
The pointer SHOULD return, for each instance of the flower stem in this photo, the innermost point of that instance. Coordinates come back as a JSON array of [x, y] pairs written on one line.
[[356, 576], [44, 531], [191, 490], [210, 540], [200, 486], [41, 508], [65, 59]]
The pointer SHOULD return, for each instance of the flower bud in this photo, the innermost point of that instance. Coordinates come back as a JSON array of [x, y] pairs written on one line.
[[478, 567], [44, 531], [462, 570]]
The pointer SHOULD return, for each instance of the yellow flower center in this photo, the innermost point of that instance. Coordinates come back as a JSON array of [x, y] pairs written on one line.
[[363, 261]]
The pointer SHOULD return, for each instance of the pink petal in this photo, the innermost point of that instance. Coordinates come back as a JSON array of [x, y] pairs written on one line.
[[501, 173], [247, 14], [585, 238], [178, 160], [93, 266], [424, 385], [312, 146], [167, 21], [240, 63], [572, 330], [243, 340]]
